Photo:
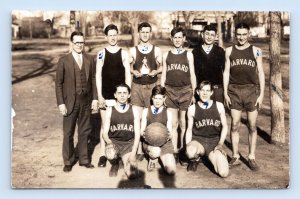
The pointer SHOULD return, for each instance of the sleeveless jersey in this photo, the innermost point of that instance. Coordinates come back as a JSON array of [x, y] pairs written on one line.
[[113, 73], [160, 117], [151, 63], [207, 122], [178, 70], [121, 125], [243, 66]]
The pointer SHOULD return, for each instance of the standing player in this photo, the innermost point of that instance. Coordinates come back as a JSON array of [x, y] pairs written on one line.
[[122, 133], [178, 77], [145, 60], [112, 69], [244, 84], [207, 130], [210, 62], [158, 113]]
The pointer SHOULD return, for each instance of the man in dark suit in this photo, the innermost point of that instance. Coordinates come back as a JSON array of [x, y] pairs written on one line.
[[76, 95]]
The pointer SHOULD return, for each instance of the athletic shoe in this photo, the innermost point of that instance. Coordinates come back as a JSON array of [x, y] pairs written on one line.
[[192, 166], [102, 161], [114, 170], [253, 165], [134, 173], [234, 162], [151, 165]]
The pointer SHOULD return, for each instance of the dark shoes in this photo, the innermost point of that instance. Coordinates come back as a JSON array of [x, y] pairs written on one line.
[[87, 165], [114, 170], [67, 168], [102, 161], [234, 162], [192, 166], [253, 165]]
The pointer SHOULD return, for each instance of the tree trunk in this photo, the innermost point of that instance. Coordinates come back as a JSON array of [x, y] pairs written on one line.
[[276, 94], [220, 34]]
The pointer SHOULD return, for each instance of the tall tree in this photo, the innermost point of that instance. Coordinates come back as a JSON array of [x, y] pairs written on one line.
[[276, 94]]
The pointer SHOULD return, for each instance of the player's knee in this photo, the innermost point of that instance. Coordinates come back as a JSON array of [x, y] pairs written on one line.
[[252, 129], [154, 152], [191, 151], [235, 126], [170, 169], [224, 172]]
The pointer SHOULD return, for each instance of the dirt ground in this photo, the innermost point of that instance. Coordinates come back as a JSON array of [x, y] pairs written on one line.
[[37, 136]]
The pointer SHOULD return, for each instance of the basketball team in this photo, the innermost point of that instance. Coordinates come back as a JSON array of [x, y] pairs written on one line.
[[167, 108]]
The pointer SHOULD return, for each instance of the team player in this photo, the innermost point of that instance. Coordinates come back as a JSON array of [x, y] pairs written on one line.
[[207, 130], [145, 60], [244, 84], [112, 69], [209, 61], [158, 113], [122, 132], [178, 77]]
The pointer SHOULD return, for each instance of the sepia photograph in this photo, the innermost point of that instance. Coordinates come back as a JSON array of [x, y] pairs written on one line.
[[150, 99]]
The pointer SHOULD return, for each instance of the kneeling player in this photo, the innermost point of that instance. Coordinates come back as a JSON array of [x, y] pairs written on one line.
[[122, 133], [156, 128], [206, 132]]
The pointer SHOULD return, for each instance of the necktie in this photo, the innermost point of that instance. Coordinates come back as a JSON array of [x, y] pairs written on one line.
[[156, 110], [79, 61]]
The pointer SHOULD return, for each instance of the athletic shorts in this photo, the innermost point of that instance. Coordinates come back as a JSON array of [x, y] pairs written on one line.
[[243, 97], [167, 148], [141, 94], [179, 97], [209, 144], [123, 146]]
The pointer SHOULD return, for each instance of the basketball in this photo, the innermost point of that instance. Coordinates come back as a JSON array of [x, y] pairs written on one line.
[[156, 134]]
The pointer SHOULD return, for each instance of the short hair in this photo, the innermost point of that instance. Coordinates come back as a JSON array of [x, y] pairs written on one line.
[[110, 27], [204, 83], [122, 85], [177, 30], [144, 25], [210, 27], [158, 90], [242, 26], [76, 33]]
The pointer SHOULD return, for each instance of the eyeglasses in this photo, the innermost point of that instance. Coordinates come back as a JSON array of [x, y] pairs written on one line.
[[79, 43]]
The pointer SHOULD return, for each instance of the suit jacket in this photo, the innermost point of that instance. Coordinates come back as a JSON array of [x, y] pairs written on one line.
[[65, 79]]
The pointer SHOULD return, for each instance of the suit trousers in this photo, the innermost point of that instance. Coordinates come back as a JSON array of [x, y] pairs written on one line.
[[81, 115]]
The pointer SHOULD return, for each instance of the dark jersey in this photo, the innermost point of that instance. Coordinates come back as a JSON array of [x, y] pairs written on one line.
[[113, 73], [148, 60], [207, 122], [209, 66], [178, 70], [243, 66], [160, 117], [121, 125]]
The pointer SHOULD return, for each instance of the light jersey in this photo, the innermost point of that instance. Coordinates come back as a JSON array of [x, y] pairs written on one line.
[[113, 73], [207, 122], [150, 60], [121, 125], [159, 117], [178, 70], [243, 66]]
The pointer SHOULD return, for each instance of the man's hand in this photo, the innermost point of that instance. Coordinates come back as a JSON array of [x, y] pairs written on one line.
[[258, 102], [219, 147], [63, 109], [227, 100], [136, 74], [153, 73], [94, 106], [101, 102]]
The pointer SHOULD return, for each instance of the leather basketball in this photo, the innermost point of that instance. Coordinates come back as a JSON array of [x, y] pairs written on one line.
[[156, 134]]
